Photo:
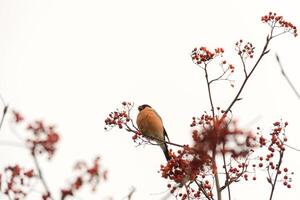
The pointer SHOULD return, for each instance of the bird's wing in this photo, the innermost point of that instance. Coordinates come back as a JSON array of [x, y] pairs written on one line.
[[166, 135], [165, 132], [157, 114]]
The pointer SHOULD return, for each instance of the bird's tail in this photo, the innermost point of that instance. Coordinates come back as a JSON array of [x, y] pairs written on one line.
[[164, 147]]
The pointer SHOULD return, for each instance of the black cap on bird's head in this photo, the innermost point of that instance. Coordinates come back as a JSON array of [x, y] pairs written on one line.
[[140, 108]]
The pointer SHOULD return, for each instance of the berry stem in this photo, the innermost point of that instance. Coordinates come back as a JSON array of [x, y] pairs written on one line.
[[41, 176], [227, 175], [276, 176], [209, 92], [263, 53]]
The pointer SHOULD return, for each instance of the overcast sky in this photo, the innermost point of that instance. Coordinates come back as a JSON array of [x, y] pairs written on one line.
[[72, 62]]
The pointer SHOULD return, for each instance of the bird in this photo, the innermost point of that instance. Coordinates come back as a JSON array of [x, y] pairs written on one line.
[[151, 125]]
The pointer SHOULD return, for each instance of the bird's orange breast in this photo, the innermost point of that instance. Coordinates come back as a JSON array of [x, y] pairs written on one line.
[[150, 124]]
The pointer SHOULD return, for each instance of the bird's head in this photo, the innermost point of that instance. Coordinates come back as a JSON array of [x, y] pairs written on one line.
[[142, 107]]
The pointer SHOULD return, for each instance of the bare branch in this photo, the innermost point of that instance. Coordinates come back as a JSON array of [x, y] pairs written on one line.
[[132, 191], [276, 176], [264, 52], [286, 77], [41, 176], [4, 111]]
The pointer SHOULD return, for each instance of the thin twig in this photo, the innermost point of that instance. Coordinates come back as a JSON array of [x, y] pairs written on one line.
[[227, 175], [8, 195], [40, 174], [7, 183], [219, 77], [263, 53], [276, 176], [129, 129], [132, 191], [244, 66], [203, 190], [239, 175], [3, 114], [291, 147], [209, 92], [187, 192], [286, 77], [216, 175]]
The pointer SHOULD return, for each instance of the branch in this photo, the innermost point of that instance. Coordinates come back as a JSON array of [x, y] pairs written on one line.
[[40, 174], [4, 111], [286, 77], [263, 53], [244, 65], [291, 147], [129, 129], [209, 92], [227, 175], [276, 176], [219, 77], [236, 178], [132, 191], [203, 190]]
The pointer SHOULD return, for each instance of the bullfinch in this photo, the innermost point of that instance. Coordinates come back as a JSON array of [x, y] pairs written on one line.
[[150, 124]]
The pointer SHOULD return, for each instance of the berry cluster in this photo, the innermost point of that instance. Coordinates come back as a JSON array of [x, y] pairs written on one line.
[[18, 182], [179, 168], [87, 175], [272, 160], [119, 117], [277, 21], [211, 138], [244, 50], [221, 137], [17, 117], [43, 138], [203, 55], [184, 171], [238, 169]]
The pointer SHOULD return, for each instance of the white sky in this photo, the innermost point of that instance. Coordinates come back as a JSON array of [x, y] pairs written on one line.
[[71, 62]]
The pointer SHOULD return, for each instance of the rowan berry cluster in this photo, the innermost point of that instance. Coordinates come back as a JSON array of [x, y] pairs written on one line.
[[277, 21], [203, 55], [219, 136], [18, 182], [87, 175], [244, 50], [272, 160], [184, 171], [42, 138], [179, 168], [238, 171], [212, 137], [17, 117], [119, 117]]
